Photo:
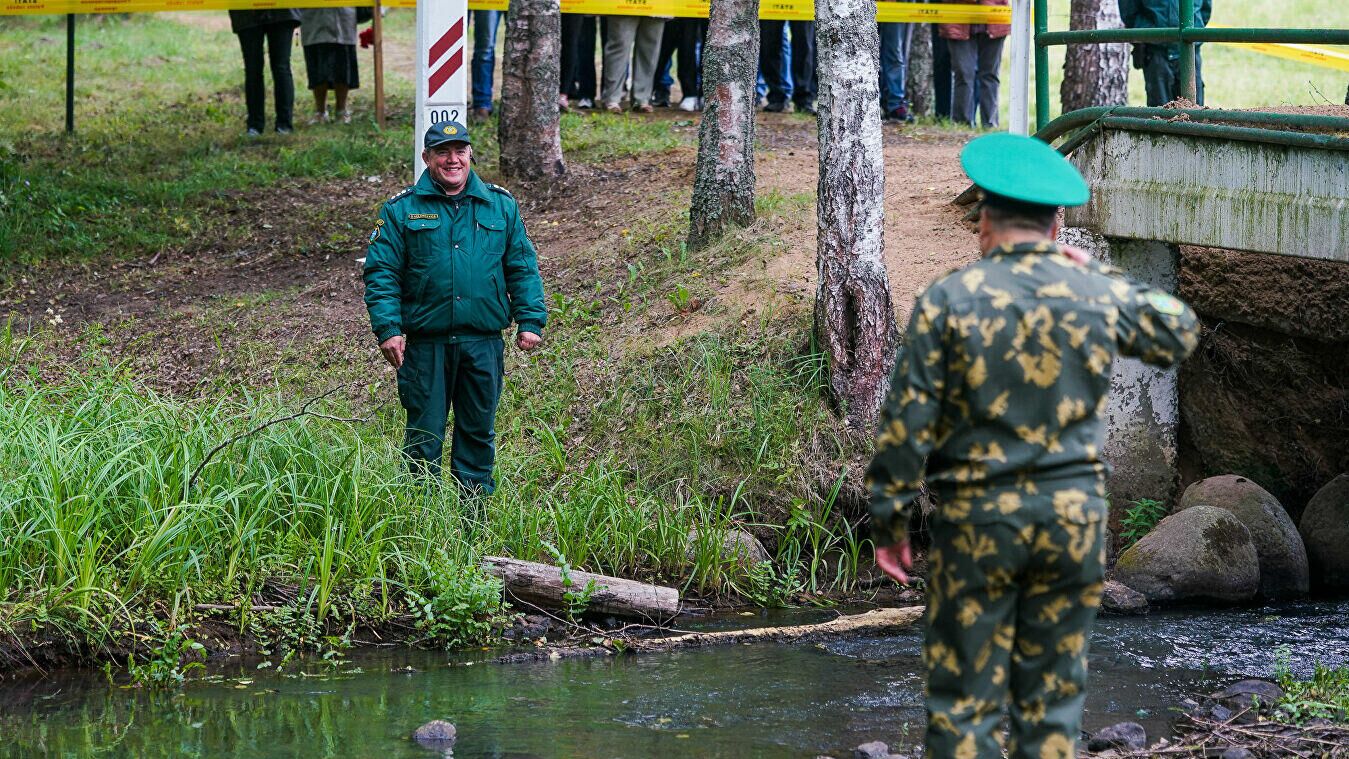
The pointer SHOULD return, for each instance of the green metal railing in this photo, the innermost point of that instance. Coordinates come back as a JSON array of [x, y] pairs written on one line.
[[1187, 35]]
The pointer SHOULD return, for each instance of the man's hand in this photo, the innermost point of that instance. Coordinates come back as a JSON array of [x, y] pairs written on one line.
[[393, 350], [527, 341], [896, 560]]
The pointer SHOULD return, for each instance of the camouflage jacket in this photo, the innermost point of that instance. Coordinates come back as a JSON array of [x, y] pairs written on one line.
[[999, 389]]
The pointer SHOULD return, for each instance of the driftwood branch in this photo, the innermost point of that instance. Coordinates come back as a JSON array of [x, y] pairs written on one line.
[[304, 411], [544, 585], [876, 622]]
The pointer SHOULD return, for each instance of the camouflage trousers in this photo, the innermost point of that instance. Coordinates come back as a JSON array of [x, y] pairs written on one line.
[[1010, 609]]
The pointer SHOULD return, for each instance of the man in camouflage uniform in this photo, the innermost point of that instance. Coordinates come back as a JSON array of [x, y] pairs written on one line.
[[997, 396]]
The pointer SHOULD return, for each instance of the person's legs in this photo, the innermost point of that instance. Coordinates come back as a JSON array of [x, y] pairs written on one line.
[[423, 391], [570, 45], [1059, 596], [340, 93], [964, 59], [320, 102], [279, 37], [971, 624], [772, 64], [617, 54], [990, 61], [477, 369], [661, 81], [892, 67], [255, 90], [1198, 76], [803, 64], [586, 83], [646, 49], [484, 57], [941, 76], [1159, 76], [690, 57]]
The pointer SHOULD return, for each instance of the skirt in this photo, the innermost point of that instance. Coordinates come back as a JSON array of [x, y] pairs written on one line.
[[330, 64]]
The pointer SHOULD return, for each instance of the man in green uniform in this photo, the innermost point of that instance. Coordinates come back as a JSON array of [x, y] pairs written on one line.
[[997, 395], [448, 268]]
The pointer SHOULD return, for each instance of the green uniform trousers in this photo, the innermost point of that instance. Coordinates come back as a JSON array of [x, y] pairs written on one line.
[[1010, 609], [465, 376]]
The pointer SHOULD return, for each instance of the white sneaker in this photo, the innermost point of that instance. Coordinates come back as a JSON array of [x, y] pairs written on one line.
[[319, 118], [344, 116], [690, 103], [585, 103]]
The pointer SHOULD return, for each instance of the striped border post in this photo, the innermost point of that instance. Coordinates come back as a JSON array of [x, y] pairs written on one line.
[[442, 69]]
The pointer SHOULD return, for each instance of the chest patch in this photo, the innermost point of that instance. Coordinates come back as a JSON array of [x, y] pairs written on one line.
[[413, 216]]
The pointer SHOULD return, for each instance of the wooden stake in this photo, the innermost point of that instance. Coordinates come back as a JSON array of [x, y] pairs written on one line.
[[378, 25]]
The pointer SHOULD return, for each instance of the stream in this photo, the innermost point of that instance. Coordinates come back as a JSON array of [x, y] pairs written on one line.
[[740, 701]]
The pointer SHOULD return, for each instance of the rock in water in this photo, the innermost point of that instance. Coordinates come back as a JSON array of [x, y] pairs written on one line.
[[872, 750], [735, 544], [1124, 735], [1246, 694], [1325, 529], [435, 734], [1199, 553], [1278, 546], [1119, 598]]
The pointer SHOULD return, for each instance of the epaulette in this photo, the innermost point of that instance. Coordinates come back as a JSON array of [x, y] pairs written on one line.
[[402, 194], [500, 189]]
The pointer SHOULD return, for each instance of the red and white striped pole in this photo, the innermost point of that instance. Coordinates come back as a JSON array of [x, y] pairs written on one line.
[[442, 69]]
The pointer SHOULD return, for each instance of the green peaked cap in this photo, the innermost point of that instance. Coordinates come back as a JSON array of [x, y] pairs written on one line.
[[1024, 169]]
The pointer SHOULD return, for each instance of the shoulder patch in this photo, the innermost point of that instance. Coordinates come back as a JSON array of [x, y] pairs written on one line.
[[1166, 304], [400, 195]]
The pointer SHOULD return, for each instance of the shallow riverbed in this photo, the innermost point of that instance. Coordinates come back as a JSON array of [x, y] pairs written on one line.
[[742, 701]]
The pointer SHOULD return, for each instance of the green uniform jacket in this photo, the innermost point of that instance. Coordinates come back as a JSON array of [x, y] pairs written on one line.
[[1162, 14], [444, 270], [1001, 384]]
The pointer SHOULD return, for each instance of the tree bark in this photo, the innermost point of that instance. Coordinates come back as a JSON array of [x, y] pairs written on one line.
[[919, 83], [854, 316], [723, 182], [1095, 74], [528, 130], [542, 585]]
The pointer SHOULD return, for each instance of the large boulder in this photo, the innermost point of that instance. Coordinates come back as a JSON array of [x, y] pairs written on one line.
[[1283, 559], [1325, 529], [1201, 553]]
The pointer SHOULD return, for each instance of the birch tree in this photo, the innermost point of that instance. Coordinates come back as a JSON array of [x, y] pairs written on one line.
[[1095, 74], [723, 180], [528, 130], [854, 315]]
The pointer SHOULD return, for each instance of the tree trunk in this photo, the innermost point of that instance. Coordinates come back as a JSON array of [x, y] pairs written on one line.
[[543, 585], [528, 132], [723, 181], [854, 316], [1095, 74], [919, 83]]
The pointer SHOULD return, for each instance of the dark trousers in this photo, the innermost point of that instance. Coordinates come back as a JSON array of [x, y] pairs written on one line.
[[801, 87], [941, 76], [975, 60], [683, 36], [277, 38], [465, 377], [578, 56], [1161, 76]]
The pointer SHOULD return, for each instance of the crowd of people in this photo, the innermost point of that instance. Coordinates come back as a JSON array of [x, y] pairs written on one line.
[[641, 58], [329, 38]]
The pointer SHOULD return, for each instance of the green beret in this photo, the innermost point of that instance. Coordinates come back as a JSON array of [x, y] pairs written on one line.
[[1023, 169]]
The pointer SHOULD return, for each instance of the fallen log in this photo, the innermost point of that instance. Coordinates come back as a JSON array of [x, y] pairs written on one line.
[[875, 622], [543, 585]]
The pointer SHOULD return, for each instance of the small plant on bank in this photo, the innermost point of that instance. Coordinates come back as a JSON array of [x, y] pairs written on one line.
[[168, 665], [1324, 696], [681, 299], [771, 589], [1139, 519], [577, 601]]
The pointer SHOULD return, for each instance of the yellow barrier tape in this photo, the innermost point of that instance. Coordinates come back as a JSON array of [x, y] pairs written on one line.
[[792, 10], [1317, 56]]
